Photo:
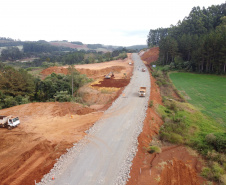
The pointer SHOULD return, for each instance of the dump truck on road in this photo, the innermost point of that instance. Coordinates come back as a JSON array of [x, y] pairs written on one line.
[[142, 91], [9, 122]]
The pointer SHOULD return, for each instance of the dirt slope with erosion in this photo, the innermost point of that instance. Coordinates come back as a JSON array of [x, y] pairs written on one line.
[[48, 129]]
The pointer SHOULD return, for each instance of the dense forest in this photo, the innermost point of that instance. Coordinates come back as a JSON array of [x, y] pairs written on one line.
[[197, 43]]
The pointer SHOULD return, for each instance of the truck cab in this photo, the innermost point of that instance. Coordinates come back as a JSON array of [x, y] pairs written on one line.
[[9, 122], [13, 122], [142, 92]]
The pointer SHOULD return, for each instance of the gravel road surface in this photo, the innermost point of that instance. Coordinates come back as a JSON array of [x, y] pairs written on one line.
[[105, 155]]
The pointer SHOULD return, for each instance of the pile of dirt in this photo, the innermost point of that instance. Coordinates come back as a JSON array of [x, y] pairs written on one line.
[[91, 73], [151, 55], [102, 72], [118, 83], [96, 70]]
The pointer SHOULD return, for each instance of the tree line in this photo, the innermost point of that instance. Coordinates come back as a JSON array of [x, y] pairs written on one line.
[[17, 86], [197, 43], [8, 42], [60, 58]]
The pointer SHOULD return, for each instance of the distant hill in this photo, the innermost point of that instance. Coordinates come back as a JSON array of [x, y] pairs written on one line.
[[66, 45], [74, 45], [97, 47], [7, 42]]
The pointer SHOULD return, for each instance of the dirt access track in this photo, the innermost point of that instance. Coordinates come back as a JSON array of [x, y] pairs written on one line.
[[48, 129]]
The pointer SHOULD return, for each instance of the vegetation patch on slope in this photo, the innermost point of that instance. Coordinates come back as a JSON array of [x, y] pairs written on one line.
[[185, 124]]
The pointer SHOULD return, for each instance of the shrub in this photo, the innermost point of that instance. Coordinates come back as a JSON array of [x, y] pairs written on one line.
[[9, 102], [154, 149], [210, 138], [176, 138], [206, 172], [173, 106], [62, 96], [220, 143], [217, 171], [159, 83], [155, 74], [150, 103], [166, 68], [223, 178]]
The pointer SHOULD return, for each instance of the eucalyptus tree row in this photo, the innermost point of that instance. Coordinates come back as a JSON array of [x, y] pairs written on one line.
[[199, 40]]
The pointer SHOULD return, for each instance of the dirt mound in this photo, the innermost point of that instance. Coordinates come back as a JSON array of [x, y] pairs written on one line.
[[118, 83], [151, 55], [102, 72], [47, 109], [92, 73], [96, 70], [54, 69]]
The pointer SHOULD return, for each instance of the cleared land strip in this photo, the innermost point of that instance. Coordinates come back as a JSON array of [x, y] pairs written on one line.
[[104, 156]]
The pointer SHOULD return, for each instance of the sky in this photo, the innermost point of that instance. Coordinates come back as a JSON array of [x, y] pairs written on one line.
[[109, 22]]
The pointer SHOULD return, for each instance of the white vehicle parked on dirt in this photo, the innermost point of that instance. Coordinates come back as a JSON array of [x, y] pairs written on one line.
[[9, 122]]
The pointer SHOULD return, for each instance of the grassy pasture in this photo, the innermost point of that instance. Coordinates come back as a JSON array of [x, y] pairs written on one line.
[[206, 92]]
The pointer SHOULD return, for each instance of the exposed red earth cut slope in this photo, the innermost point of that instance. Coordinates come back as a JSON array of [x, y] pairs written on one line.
[[151, 55]]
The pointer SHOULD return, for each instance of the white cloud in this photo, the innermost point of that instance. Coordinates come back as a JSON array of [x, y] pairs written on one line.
[[116, 22]]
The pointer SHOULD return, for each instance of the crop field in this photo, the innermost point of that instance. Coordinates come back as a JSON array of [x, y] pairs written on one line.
[[206, 92]]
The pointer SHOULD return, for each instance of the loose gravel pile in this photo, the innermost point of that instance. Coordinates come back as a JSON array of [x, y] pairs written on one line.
[[120, 175]]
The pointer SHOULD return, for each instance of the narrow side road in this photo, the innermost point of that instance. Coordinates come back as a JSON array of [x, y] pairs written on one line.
[[104, 156]]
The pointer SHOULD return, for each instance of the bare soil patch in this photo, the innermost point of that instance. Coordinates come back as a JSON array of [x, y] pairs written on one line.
[[118, 83], [151, 55], [96, 70]]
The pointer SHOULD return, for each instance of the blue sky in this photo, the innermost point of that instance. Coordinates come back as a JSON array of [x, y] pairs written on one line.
[[109, 22]]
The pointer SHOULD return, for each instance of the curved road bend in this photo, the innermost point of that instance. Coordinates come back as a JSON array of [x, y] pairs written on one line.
[[102, 159]]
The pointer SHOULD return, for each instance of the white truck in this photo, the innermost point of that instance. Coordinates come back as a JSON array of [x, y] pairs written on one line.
[[9, 122], [142, 91]]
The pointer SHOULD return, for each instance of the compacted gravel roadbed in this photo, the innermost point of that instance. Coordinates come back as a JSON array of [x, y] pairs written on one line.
[[105, 155]]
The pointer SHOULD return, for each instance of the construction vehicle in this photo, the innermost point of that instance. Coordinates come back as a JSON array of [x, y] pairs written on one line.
[[9, 122], [109, 75], [142, 91]]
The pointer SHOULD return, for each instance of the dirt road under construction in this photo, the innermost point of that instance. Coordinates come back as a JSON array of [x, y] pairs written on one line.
[[104, 156]]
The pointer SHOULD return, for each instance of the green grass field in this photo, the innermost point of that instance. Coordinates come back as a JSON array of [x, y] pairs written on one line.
[[205, 92]]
